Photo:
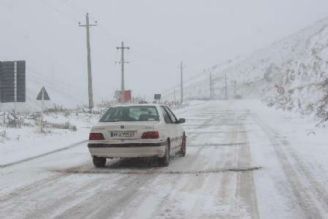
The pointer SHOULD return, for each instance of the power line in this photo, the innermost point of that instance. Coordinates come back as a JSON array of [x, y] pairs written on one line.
[[211, 86], [225, 86], [181, 82]]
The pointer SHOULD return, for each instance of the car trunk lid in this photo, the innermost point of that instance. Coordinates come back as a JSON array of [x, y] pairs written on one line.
[[125, 130]]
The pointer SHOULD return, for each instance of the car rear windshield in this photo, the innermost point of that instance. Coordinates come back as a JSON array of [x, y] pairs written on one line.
[[130, 114]]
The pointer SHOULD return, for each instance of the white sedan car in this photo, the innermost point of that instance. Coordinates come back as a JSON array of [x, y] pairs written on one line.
[[144, 130]]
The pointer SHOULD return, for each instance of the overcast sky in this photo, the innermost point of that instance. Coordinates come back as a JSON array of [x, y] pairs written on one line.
[[162, 33]]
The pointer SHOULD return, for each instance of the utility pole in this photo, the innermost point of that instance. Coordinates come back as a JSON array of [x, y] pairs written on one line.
[[87, 26], [122, 62], [42, 112], [181, 82], [234, 88], [226, 86], [174, 96], [211, 86]]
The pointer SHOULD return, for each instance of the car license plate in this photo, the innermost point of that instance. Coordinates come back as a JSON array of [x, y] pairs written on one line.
[[122, 134]]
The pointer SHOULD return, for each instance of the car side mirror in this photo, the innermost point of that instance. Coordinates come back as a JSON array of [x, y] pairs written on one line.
[[181, 120]]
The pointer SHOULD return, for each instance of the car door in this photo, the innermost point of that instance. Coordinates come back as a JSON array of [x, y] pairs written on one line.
[[169, 127], [179, 128], [176, 139]]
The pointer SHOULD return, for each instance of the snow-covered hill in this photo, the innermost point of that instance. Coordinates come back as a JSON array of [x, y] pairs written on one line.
[[291, 74]]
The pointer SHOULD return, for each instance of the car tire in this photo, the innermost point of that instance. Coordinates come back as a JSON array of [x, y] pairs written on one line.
[[183, 149], [99, 161], [165, 161]]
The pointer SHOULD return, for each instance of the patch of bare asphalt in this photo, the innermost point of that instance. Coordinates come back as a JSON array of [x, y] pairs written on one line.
[[218, 144], [153, 170]]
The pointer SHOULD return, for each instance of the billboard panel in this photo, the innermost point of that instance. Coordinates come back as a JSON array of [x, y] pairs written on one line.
[[126, 96], [12, 81], [157, 96], [7, 82], [21, 81]]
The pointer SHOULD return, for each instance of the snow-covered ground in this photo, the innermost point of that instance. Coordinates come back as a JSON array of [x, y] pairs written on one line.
[[244, 160], [17, 144]]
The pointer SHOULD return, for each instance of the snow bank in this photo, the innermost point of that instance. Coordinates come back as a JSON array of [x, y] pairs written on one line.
[[21, 143]]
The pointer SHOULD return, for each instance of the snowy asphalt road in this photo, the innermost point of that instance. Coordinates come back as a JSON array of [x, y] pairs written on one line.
[[238, 165]]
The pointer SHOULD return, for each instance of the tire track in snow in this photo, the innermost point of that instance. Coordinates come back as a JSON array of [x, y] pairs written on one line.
[[30, 188], [47, 199], [310, 195], [242, 196], [106, 202], [171, 210], [164, 207], [246, 186]]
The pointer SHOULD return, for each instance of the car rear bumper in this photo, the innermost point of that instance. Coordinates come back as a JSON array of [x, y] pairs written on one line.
[[128, 150]]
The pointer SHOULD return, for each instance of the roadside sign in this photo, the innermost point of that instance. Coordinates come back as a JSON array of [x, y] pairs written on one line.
[[280, 89], [157, 96], [43, 94], [126, 96], [12, 81]]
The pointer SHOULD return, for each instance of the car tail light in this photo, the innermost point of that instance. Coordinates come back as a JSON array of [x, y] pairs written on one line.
[[150, 135], [96, 136]]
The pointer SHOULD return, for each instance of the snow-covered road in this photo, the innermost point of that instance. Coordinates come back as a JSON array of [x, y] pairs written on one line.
[[243, 161]]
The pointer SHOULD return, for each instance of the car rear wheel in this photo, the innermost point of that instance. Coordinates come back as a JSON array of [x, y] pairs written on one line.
[[99, 161], [183, 146], [165, 161]]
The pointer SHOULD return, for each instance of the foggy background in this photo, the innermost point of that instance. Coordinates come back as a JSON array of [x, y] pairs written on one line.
[[201, 33]]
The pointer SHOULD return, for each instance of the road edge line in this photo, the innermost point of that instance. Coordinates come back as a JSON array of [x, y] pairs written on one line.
[[43, 155]]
